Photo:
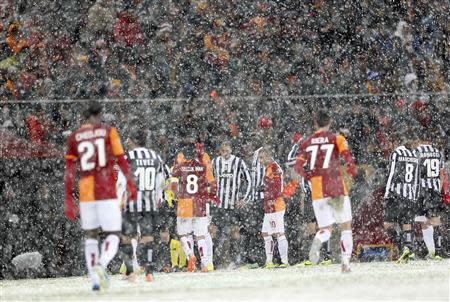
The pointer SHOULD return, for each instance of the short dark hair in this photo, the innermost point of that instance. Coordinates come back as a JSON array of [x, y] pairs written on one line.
[[93, 108], [139, 137], [322, 118]]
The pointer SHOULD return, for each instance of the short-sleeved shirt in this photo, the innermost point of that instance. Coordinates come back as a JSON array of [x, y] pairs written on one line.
[[194, 179], [321, 151], [95, 147]]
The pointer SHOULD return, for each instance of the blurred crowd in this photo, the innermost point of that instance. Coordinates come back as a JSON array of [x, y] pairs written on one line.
[[246, 71], [94, 49]]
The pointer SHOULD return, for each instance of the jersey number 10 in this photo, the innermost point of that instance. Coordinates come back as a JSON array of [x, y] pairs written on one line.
[[146, 177]]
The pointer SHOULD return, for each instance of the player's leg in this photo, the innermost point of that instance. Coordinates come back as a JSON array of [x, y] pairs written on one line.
[[343, 215], [110, 218], [129, 232], [90, 225], [391, 220], [209, 244], [200, 225], [407, 214], [283, 245], [266, 233], [184, 230], [323, 212], [146, 248]]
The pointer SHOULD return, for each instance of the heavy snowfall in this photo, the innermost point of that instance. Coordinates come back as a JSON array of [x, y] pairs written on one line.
[[227, 77]]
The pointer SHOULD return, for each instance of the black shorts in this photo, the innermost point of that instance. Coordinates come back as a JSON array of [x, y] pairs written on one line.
[[429, 203], [308, 209], [225, 217], [147, 221], [399, 209]]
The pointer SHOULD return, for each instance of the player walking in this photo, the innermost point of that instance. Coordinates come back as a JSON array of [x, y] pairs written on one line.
[[319, 163], [274, 208], [96, 147], [194, 186]]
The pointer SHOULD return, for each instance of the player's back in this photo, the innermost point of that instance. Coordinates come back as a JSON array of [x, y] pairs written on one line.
[[194, 177], [403, 173], [95, 148], [321, 152], [147, 167], [431, 162]]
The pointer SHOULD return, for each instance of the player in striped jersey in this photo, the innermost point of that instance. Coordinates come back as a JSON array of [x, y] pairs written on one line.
[[150, 175], [400, 196], [308, 211], [230, 172], [430, 203]]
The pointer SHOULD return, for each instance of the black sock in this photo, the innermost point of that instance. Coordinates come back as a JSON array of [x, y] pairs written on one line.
[[145, 256], [394, 236], [126, 254], [325, 250], [407, 239]]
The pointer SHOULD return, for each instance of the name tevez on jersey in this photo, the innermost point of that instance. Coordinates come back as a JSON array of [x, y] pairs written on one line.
[[229, 174], [403, 179], [150, 174]]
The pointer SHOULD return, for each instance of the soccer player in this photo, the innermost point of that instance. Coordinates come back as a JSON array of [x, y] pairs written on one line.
[[400, 196], [194, 186], [308, 211], [230, 173], [96, 147], [274, 208], [319, 162], [430, 203], [150, 175]]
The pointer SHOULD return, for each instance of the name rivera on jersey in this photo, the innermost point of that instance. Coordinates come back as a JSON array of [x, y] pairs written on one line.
[[319, 140]]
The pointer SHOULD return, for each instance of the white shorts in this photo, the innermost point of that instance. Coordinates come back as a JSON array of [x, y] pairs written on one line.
[[332, 210], [273, 223], [101, 213], [197, 225]]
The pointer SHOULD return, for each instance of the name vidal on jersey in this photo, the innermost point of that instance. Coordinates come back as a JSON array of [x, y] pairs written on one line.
[[192, 169], [408, 159], [319, 140]]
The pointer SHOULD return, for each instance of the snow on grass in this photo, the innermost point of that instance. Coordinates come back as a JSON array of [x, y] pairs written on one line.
[[418, 280]]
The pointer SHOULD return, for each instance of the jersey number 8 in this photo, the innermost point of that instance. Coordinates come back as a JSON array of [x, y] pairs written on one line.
[[192, 184]]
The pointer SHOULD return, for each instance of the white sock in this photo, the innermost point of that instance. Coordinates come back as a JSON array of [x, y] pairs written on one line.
[[134, 244], [268, 246], [428, 238], [202, 250], [283, 249], [209, 247], [323, 235], [109, 249], [186, 246], [91, 254], [346, 246]]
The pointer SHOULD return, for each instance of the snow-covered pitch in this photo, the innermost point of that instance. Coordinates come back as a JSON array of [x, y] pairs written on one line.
[[418, 280]]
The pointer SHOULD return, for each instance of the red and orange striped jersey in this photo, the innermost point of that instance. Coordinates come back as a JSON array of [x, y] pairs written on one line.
[[273, 189], [319, 161], [94, 148], [195, 178]]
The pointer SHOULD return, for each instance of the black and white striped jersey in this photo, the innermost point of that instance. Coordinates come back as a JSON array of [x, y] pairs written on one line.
[[257, 172], [230, 174], [403, 177], [431, 162], [150, 174], [291, 160]]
